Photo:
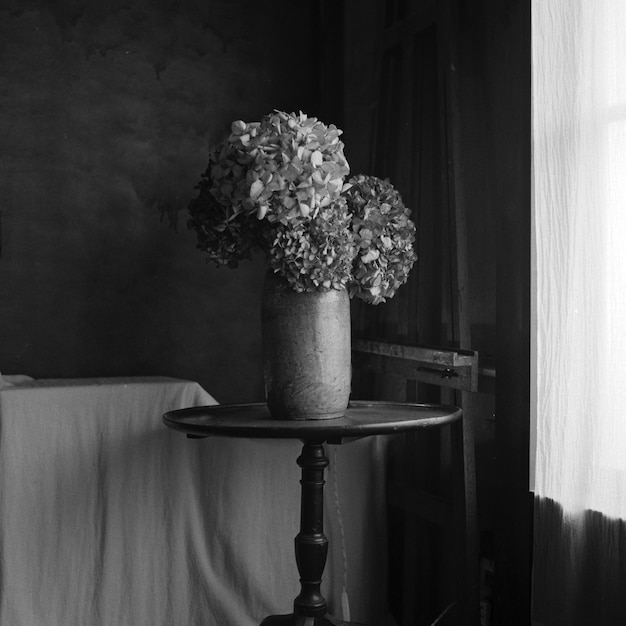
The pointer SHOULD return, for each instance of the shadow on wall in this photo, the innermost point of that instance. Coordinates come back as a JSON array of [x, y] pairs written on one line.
[[107, 113]]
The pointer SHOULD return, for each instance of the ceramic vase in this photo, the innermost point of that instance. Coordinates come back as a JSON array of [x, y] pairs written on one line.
[[306, 351]]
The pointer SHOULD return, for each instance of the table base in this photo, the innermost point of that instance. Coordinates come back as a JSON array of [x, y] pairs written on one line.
[[299, 620], [362, 419]]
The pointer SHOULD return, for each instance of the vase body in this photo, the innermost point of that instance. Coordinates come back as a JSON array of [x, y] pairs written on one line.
[[306, 351]]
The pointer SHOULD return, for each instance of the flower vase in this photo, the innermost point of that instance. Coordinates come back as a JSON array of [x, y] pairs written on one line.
[[306, 351]]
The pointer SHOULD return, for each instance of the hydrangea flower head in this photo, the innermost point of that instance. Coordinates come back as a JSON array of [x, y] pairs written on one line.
[[279, 186]]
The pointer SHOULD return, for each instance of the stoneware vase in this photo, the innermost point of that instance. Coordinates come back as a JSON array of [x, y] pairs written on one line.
[[306, 351]]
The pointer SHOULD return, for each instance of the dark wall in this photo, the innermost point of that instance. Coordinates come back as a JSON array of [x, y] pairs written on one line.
[[509, 51], [107, 110]]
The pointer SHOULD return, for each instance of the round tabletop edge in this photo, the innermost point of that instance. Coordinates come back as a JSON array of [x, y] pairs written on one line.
[[252, 420]]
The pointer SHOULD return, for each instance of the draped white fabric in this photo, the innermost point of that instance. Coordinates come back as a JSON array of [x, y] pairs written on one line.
[[579, 185], [108, 518]]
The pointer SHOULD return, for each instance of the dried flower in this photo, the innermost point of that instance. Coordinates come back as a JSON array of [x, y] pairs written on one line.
[[284, 168], [384, 237], [225, 229], [316, 254], [278, 186], [298, 166]]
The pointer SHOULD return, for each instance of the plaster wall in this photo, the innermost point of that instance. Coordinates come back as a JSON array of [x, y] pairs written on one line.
[[107, 111]]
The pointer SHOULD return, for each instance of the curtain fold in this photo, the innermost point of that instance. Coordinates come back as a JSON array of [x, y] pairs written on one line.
[[580, 567], [579, 188]]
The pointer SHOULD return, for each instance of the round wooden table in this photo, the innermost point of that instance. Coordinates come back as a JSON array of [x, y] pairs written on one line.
[[361, 419]]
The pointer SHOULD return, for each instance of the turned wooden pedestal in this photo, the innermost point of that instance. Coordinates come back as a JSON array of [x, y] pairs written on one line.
[[309, 607], [360, 420]]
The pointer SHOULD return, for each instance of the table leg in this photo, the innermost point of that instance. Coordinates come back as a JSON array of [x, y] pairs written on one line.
[[311, 545]]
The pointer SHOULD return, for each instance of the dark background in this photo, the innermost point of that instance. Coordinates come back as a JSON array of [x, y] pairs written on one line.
[[107, 112]]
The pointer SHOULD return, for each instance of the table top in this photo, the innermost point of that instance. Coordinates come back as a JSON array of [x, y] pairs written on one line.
[[362, 419]]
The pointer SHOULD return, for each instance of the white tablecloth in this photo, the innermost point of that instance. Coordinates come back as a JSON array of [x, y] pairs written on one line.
[[108, 518]]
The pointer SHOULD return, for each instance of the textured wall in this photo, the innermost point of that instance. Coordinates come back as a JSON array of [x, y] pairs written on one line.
[[106, 113]]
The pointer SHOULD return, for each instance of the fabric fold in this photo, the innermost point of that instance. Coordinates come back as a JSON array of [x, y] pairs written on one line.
[[111, 519]]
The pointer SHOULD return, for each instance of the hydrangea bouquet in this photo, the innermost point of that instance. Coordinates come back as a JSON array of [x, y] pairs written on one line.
[[281, 186]]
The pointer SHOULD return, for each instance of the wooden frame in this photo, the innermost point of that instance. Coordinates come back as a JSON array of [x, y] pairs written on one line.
[[454, 369]]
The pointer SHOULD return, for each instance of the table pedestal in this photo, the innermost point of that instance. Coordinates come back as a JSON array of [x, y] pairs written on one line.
[[311, 546], [362, 419]]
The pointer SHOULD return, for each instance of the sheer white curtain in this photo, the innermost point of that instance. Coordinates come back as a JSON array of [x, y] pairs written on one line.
[[579, 179]]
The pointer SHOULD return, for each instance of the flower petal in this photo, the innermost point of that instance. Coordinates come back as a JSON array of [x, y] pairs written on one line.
[[256, 188]]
